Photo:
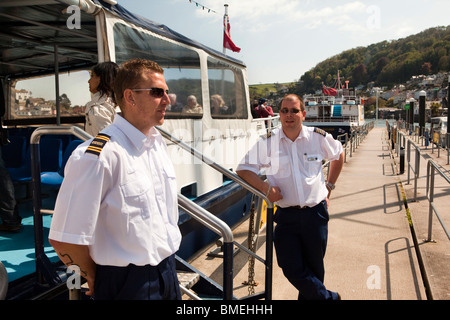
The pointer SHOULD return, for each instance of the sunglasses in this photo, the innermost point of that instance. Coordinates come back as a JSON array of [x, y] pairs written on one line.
[[286, 110], [154, 92]]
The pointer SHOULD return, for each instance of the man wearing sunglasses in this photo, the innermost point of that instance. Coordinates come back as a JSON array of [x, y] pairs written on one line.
[[116, 215], [292, 158]]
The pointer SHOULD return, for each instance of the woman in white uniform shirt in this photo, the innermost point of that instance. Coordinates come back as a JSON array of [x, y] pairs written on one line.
[[116, 215], [101, 109]]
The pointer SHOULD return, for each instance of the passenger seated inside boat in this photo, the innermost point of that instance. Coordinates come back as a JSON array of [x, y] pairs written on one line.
[[174, 105], [192, 106]]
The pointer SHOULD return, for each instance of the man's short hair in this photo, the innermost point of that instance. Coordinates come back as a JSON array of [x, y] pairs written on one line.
[[293, 97], [130, 74]]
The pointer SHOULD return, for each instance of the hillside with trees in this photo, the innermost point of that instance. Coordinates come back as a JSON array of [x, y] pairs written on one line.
[[385, 63]]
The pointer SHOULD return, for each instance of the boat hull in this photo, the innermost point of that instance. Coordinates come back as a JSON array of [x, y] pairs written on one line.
[[230, 203]]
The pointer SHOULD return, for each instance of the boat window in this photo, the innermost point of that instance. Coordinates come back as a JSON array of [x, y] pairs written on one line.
[[181, 67], [36, 97], [227, 91]]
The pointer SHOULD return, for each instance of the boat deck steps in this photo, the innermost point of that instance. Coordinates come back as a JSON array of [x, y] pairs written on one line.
[[187, 279]]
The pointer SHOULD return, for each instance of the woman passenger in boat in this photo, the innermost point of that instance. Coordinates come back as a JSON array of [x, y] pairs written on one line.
[[116, 214], [192, 106], [101, 109], [218, 105], [292, 157]]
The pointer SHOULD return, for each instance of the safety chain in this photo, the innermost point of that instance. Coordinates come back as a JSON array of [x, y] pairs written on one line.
[[251, 246]]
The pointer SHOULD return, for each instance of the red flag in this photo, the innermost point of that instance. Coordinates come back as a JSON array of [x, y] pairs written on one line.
[[227, 43], [329, 91]]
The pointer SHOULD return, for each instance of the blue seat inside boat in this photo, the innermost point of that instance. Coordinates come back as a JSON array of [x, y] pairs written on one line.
[[55, 178], [14, 152], [16, 156], [50, 153], [18, 159]]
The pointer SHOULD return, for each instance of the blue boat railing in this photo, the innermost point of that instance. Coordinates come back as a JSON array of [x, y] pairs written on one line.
[[45, 273], [44, 269]]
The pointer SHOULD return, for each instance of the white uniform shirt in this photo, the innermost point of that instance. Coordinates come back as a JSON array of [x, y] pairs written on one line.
[[100, 112], [294, 166], [122, 203]]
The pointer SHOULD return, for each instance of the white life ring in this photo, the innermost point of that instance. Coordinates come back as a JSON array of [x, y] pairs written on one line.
[[3, 281]]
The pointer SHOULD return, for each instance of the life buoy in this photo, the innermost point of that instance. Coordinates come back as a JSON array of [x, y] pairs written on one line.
[[3, 281]]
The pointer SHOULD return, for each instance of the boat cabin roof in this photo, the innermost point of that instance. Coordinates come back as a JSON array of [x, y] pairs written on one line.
[[31, 29]]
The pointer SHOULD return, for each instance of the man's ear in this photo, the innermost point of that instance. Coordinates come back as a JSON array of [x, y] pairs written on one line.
[[128, 96]]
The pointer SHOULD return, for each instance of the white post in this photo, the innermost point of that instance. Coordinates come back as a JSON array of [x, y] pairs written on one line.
[[376, 111]]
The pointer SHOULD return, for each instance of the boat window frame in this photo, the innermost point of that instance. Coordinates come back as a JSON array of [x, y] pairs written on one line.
[[11, 118], [189, 77], [236, 102]]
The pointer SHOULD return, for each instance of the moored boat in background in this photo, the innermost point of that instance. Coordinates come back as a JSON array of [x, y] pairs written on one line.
[[336, 110]]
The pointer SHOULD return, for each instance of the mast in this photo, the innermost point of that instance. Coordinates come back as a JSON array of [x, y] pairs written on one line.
[[338, 81], [339, 86], [225, 24]]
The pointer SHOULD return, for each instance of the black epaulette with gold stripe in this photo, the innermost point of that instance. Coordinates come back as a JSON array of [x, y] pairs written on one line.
[[320, 131], [97, 144]]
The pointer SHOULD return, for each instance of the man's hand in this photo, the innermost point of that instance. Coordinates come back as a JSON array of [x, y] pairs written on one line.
[[274, 193]]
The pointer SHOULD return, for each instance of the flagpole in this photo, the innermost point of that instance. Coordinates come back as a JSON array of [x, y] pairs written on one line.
[[225, 25]]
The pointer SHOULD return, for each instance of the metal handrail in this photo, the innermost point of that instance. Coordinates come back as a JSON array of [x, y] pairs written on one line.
[[206, 218], [416, 169], [38, 132], [269, 121], [43, 265], [213, 164], [228, 245], [219, 227], [431, 168], [345, 144]]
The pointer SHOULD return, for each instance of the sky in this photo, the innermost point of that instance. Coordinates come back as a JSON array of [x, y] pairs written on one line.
[[280, 40]]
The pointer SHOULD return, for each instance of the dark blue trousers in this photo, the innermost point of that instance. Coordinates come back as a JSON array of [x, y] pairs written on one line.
[[9, 213], [300, 239], [138, 282]]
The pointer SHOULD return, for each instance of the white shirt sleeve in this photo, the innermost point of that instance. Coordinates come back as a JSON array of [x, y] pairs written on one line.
[[256, 158], [77, 207], [332, 148]]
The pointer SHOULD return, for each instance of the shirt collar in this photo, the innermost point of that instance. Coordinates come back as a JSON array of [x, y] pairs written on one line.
[[136, 137], [98, 97], [304, 133]]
